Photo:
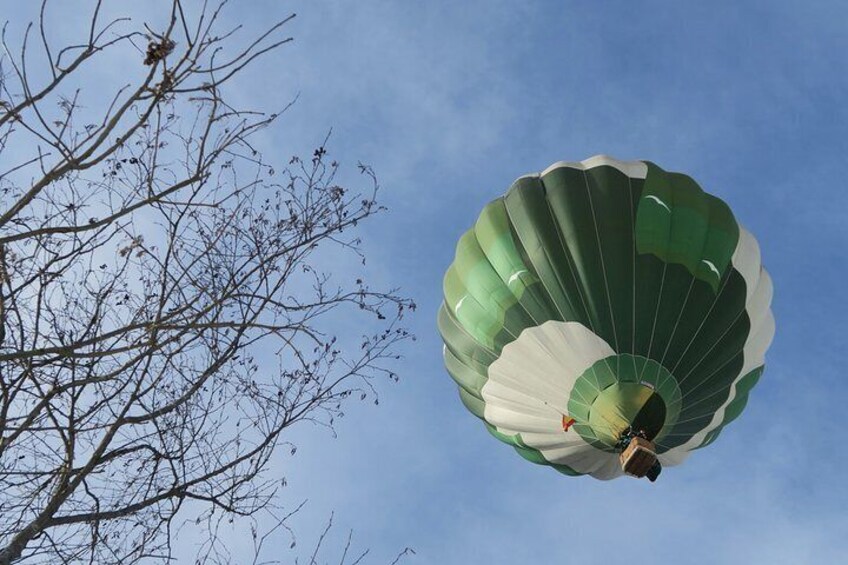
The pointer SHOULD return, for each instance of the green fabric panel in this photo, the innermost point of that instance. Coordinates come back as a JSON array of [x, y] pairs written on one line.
[[687, 234], [704, 378], [513, 440], [462, 344], [674, 293], [570, 202], [743, 389], [492, 231], [690, 322], [480, 323], [722, 240], [485, 285], [531, 455], [594, 211], [650, 274], [737, 405], [690, 223], [465, 376], [580, 402], [614, 200], [697, 413], [706, 390], [473, 404], [680, 224], [584, 393], [671, 225], [530, 214], [710, 437], [495, 236], [653, 214], [725, 312], [708, 387]]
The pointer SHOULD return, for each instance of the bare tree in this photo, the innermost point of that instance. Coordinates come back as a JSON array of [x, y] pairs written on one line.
[[348, 555], [163, 316]]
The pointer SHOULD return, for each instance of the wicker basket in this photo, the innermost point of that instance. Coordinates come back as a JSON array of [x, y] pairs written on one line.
[[638, 457]]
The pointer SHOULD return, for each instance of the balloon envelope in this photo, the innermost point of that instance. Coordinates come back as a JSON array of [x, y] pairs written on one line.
[[602, 295]]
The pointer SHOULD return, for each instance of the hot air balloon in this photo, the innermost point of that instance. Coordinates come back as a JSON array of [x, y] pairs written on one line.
[[606, 317]]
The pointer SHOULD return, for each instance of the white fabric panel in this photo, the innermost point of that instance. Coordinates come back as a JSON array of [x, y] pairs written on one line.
[[633, 169], [746, 260], [528, 390]]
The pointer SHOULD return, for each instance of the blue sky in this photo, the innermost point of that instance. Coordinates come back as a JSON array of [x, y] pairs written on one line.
[[449, 102]]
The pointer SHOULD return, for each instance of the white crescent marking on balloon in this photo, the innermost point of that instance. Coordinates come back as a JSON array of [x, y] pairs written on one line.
[[658, 201], [712, 267], [515, 276]]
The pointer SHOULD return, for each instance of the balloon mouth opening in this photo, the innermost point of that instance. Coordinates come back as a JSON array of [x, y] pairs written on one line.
[[623, 407], [624, 391]]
